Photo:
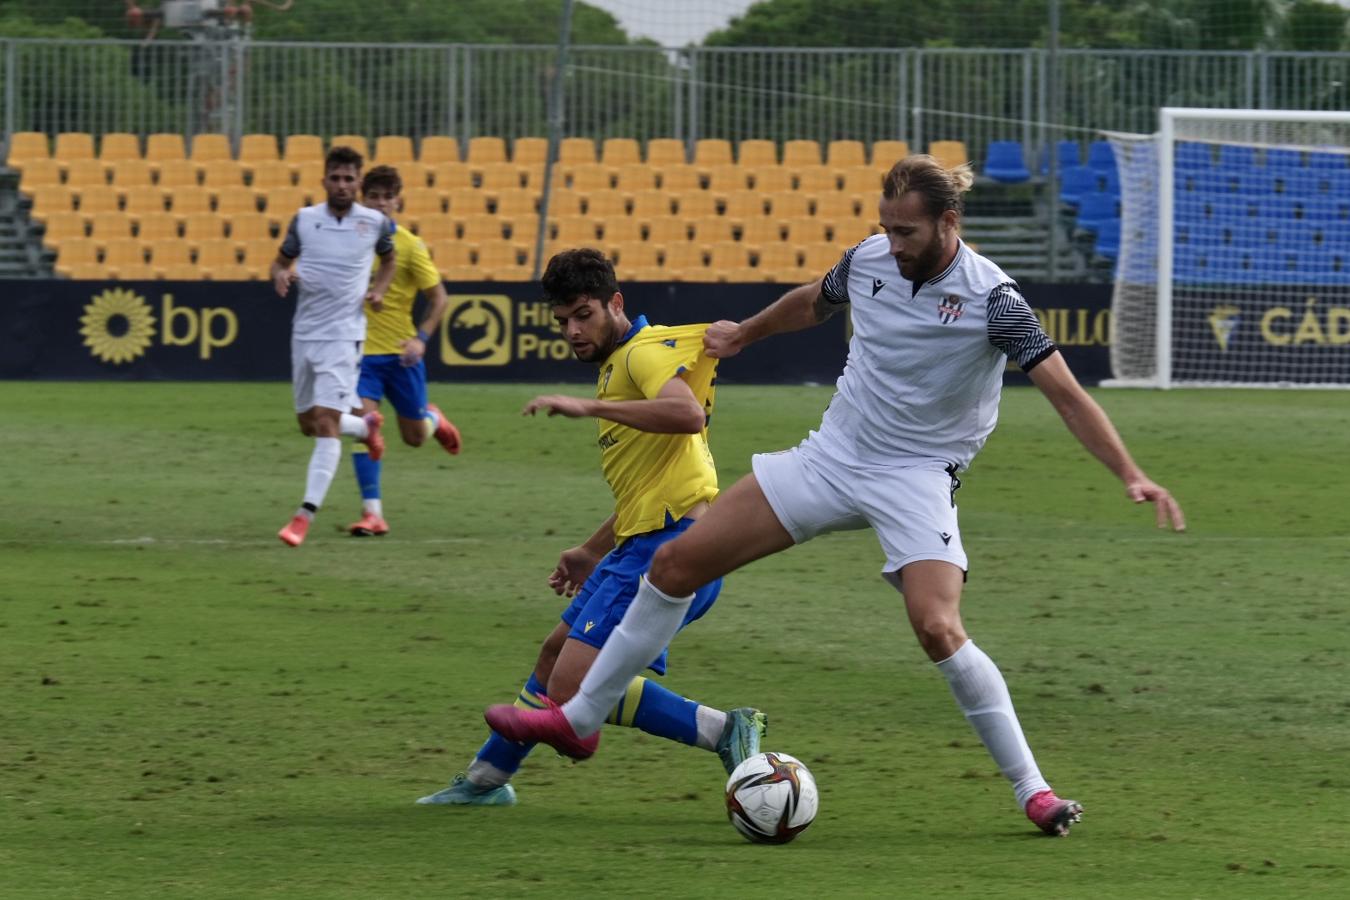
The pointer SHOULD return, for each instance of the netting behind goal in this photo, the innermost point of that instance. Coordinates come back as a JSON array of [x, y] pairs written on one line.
[[1235, 251]]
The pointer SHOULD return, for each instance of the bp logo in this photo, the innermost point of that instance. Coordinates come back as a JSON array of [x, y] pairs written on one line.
[[478, 332], [117, 326]]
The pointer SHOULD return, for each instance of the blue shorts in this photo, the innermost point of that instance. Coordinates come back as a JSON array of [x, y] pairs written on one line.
[[599, 606], [382, 373]]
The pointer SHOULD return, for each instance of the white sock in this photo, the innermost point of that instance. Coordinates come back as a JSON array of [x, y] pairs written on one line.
[[323, 463], [650, 622], [374, 507], [711, 723], [353, 426], [983, 696], [432, 421], [485, 775]]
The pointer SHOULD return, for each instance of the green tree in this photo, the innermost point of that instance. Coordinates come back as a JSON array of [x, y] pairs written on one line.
[[1315, 25]]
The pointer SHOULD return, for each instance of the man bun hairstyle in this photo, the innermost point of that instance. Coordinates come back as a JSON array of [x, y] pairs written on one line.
[[940, 188], [582, 272], [342, 156], [382, 178]]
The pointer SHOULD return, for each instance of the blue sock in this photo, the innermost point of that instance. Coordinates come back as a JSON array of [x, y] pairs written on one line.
[[508, 755], [367, 475], [656, 710]]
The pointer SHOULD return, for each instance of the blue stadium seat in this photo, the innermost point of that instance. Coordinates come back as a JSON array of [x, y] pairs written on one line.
[[1294, 182], [1068, 154], [1100, 156], [1279, 158], [1075, 182], [1232, 156], [1003, 162], [1096, 208], [1190, 156], [1107, 244], [1108, 180], [1330, 160], [1255, 182]]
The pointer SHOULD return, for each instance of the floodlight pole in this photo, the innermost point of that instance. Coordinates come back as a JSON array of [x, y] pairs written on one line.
[[1052, 172], [555, 124]]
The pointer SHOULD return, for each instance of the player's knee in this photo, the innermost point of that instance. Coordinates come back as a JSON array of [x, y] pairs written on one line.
[[940, 634], [414, 440], [671, 572]]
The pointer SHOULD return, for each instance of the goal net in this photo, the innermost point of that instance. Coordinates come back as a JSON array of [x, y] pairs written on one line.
[[1234, 266]]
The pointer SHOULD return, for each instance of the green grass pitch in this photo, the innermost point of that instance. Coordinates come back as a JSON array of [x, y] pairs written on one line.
[[191, 709]]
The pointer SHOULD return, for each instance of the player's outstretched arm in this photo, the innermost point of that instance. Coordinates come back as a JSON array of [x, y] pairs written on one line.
[[383, 278], [801, 307], [1089, 423], [674, 410]]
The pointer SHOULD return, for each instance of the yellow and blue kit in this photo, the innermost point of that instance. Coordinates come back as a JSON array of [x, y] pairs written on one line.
[[386, 330]]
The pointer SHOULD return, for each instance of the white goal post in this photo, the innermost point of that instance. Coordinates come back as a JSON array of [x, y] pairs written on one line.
[[1234, 266]]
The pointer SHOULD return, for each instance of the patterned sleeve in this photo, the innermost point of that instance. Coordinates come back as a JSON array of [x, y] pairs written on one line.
[[386, 242], [1015, 330], [290, 244], [835, 286]]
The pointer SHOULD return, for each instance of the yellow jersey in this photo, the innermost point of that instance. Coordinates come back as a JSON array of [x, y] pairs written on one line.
[[387, 329], [656, 475]]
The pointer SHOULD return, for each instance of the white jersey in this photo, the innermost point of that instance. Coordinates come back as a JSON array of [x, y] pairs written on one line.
[[925, 363], [335, 256]]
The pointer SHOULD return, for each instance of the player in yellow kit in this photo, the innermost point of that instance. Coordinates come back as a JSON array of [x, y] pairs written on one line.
[[392, 363]]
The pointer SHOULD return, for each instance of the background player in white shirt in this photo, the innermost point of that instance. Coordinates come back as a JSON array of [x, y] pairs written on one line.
[[934, 323], [327, 253]]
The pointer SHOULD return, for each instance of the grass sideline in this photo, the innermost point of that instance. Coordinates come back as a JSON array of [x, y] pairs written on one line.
[[194, 710]]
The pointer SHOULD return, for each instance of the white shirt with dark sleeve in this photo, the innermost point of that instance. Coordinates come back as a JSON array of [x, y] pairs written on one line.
[[333, 269], [925, 363]]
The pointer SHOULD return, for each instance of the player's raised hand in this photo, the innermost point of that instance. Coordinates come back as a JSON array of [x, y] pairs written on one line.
[[1167, 508], [722, 339], [282, 281], [575, 565], [558, 405]]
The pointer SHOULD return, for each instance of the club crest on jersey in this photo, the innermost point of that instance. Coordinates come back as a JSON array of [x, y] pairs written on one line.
[[950, 309], [604, 377]]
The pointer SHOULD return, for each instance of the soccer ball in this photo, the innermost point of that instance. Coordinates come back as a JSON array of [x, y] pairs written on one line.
[[771, 798]]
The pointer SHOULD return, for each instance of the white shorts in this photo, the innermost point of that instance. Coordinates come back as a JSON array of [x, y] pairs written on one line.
[[912, 509], [324, 373]]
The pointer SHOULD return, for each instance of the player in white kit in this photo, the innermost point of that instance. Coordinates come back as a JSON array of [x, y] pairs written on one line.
[[327, 252], [934, 324]]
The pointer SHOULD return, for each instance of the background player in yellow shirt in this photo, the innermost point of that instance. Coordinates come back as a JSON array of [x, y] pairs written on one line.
[[392, 363], [653, 400]]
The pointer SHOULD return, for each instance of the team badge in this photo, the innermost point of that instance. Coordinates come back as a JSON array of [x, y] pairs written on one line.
[[950, 309]]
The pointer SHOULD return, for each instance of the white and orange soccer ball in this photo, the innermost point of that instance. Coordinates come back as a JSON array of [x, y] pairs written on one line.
[[771, 798]]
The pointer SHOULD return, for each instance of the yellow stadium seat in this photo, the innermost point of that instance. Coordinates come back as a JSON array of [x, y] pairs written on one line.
[[651, 205], [816, 180], [50, 200], [680, 177], [709, 152], [75, 253], [435, 228], [517, 202], [806, 230], [83, 172], [723, 180], [708, 232], [684, 262], [481, 229], [835, 207], [421, 203], [662, 231], [259, 255], [454, 261], [123, 253], [413, 174], [522, 229], [258, 148], [949, 153], [133, 176], [87, 272], [615, 152], [73, 145], [357, 142], [303, 148], [574, 231], [161, 148], [845, 154], [696, 205], [483, 150], [189, 201], [132, 272], [157, 227], [799, 153], [663, 152], [529, 151], [789, 206], [228, 272], [742, 206], [309, 175], [601, 205], [498, 176], [629, 179], [820, 258], [237, 203], [573, 151], [847, 232], [39, 173], [730, 261], [764, 230], [393, 150], [771, 180], [887, 153], [62, 227], [756, 153], [636, 256], [776, 259], [587, 178], [209, 148], [862, 183], [25, 147], [283, 204], [167, 253], [447, 176], [177, 271], [248, 227], [98, 199], [465, 202], [500, 262], [118, 147], [564, 202], [176, 175], [436, 149], [203, 227], [143, 203], [216, 252], [220, 175]]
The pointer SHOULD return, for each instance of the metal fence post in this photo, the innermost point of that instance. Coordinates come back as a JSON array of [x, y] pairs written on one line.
[[916, 106], [691, 133], [11, 67]]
